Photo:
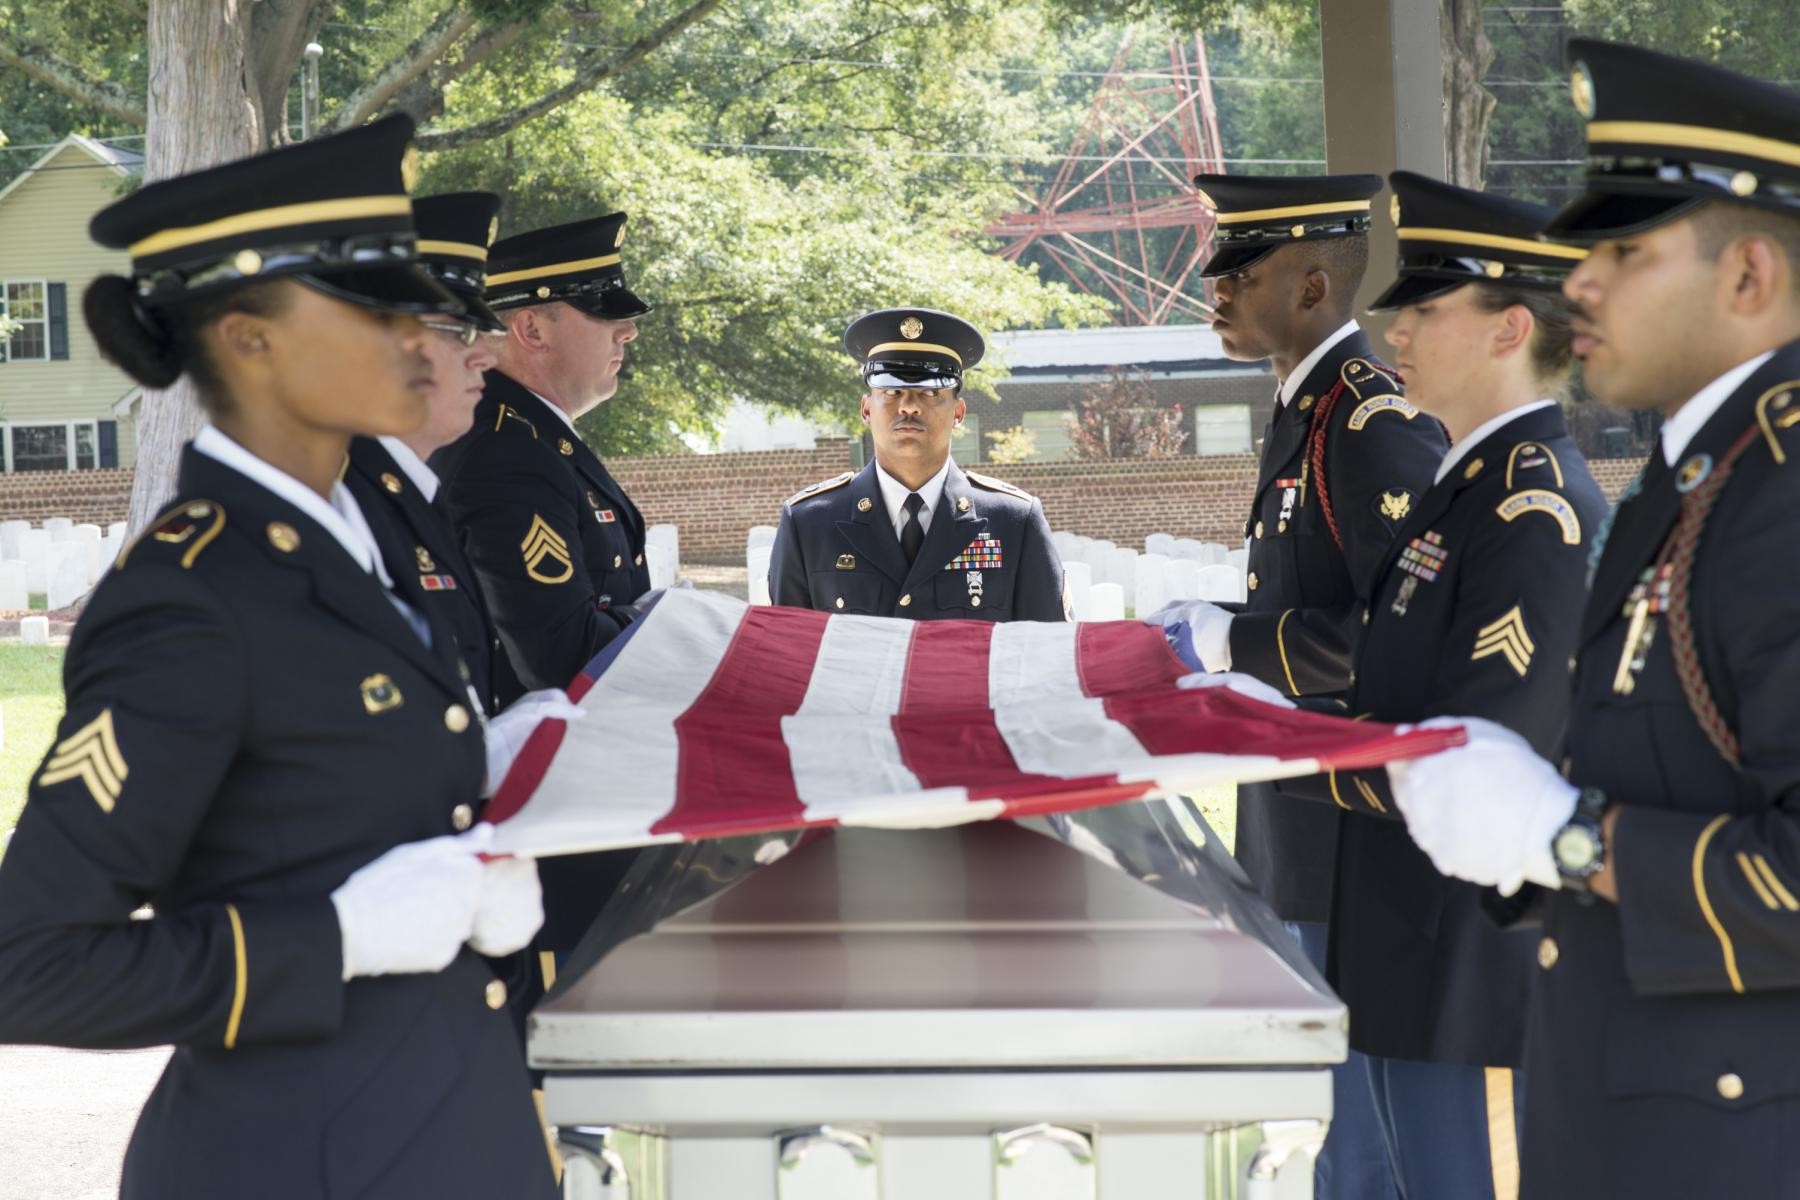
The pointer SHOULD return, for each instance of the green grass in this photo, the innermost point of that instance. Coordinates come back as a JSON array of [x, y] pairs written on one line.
[[31, 704]]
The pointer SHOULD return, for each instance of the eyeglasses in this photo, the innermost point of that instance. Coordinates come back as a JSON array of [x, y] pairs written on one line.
[[464, 333]]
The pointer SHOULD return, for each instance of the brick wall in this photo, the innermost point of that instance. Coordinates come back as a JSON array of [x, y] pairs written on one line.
[[716, 498], [91, 497]]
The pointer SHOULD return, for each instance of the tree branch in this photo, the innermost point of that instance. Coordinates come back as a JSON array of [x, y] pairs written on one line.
[[417, 58], [423, 98], [587, 78], [43, 66]]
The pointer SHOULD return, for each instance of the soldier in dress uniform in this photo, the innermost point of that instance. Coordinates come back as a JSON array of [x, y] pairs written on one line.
[[1344, 460], [389, 476], [912, 534], [1471, 614], [557, 544], [267, 742], [1665, 1020]]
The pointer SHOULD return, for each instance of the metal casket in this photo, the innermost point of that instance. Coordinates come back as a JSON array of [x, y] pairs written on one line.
[[1094, 1005]]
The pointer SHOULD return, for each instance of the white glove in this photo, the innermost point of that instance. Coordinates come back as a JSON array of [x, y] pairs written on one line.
[[1247, 685], [508, 730], [511, 907], [1208, 627], [1487, 811], [410, 910]]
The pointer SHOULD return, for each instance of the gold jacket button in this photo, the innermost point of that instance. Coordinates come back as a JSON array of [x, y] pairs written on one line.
[[1547, 953], [1365, 616], [461, 817], [1281, 527], [975, 601], [456, 718], [840, 602], [1571, 664], [904, 600], [1259, 529], [1352, 680], [496, 994], [618, 561], [638, 561], [1251, 582], [1730, 1086]]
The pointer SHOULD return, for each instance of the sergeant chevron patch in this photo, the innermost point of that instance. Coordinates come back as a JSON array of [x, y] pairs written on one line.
[[90, 754], [1508, 638], [541, 543]]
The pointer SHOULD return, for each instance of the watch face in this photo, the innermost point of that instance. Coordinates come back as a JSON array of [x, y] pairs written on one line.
[[1575, 849]]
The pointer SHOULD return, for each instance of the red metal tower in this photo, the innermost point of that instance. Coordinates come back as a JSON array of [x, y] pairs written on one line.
[[1120, 216]]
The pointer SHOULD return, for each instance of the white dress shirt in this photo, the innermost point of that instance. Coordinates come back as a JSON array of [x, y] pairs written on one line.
[[1461, 450], [1291, 384], [1680, 429], [556, 408], [894, 494], [339, 516], [423, 477]]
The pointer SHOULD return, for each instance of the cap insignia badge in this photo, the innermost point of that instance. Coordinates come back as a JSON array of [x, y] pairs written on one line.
[[493, 230], [409, 168], [911, 328], [1581, 90], [1394, 208]]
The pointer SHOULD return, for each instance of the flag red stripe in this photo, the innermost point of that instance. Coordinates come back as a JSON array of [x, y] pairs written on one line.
[[734, 769], [1123, 656], [527, 770], [948, 734]]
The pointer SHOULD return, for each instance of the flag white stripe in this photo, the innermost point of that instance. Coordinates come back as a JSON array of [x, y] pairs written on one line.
[[841, 742], [626, 763], [1034, 688]]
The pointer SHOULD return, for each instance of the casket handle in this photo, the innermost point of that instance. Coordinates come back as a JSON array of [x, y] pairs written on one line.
[[796, 1143]]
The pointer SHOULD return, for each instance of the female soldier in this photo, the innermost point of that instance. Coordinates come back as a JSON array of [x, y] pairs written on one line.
[[267, 746], [1476, 612]]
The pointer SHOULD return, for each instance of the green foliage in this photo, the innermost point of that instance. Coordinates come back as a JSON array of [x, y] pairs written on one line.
[[1014, 445], [1757, 37]]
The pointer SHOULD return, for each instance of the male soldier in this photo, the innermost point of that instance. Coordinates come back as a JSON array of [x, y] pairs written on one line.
[[1343, 460], [389, 476], [557, 544], [1665, 1024], [912, 534]]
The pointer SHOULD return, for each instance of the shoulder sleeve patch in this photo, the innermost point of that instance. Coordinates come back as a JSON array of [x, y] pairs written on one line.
[[1551, 504], [180, 534], [1392, 402], [997, 485], [1778, 409], [1532, 456], [819, 488], [509, 414]]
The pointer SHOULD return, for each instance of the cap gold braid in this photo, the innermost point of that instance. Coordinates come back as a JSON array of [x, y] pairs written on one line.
[[344, 208]]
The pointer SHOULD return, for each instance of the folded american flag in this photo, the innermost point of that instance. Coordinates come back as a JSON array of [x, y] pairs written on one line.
[[710, 717]]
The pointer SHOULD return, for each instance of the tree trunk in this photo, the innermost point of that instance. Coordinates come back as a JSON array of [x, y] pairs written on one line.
[[204, 109], [1468, 107]]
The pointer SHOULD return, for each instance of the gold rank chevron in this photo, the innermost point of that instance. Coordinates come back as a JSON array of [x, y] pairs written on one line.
[[90, 754], [542, 542], [1506, 637]]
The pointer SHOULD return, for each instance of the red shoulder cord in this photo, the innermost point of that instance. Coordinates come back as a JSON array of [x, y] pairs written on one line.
[[1315, 455], [1679, 552]]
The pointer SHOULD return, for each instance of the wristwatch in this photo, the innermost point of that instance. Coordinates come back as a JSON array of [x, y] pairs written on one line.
[[1579, 847]]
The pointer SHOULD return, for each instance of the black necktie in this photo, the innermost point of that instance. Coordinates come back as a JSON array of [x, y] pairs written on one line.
[[912, 534]]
